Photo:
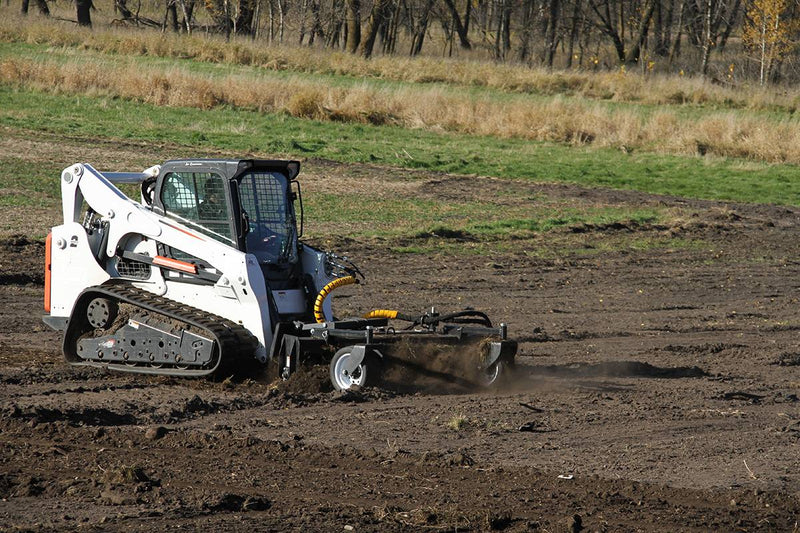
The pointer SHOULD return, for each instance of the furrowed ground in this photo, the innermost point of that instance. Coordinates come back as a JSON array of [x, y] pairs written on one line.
[[655, 297]]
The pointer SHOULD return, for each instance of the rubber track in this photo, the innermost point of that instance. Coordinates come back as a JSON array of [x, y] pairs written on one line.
[[236, 343]]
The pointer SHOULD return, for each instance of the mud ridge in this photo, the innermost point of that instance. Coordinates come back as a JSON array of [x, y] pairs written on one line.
[[618, 369], [77, 417]]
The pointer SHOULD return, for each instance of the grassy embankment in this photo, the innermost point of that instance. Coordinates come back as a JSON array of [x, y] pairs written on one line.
[[342, 128], [100, 125], [772, 136]]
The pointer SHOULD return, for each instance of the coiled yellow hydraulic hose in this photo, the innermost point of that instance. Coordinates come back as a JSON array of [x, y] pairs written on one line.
[[349, 280], [326, 290], [381, 313]]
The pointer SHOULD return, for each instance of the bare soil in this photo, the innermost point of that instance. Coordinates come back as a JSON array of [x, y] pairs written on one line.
[[657, 390]]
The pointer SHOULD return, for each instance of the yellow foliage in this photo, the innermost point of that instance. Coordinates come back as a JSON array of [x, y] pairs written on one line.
[[769, 32]]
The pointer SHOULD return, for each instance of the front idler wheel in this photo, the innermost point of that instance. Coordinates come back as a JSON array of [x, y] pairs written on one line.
[[101, 312], [344, 376]]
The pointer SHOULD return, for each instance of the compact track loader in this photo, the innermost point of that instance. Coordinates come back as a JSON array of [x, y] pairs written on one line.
[[208, 271]]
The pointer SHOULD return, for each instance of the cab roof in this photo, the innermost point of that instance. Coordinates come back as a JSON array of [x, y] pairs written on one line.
[[235, 167]]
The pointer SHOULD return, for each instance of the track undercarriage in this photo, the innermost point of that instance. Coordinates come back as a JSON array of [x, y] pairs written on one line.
[[120, 327]]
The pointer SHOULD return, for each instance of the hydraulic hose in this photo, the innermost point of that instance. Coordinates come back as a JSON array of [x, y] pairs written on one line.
[[390, 314], [467, 316], [381, 313], [326, 290]]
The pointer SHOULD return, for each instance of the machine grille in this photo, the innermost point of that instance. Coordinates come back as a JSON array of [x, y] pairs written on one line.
[[133, 269]]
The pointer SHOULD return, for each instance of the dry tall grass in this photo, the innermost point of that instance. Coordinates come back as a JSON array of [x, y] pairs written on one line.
[[614, 86], [725, 133]]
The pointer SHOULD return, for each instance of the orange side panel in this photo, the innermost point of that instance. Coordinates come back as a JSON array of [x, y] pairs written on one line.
[[175, 264], [47, 245]]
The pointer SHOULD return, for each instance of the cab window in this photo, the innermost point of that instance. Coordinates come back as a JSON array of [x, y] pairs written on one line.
[[198, 200], [264, 199]]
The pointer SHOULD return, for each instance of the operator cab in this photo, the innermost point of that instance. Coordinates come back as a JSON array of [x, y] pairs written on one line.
[[247, 204]]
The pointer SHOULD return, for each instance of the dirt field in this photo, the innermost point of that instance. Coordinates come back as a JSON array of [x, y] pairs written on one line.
[[657, 391]]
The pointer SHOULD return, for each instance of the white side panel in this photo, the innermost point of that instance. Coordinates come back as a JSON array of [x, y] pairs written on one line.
[[73, 268], [314, 264], [249, 306], [291, 302]]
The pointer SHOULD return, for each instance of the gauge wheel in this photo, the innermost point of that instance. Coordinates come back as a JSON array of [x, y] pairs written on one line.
[[495, 375], [363, 375]]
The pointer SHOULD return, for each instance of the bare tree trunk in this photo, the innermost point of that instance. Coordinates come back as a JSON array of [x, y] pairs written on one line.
[[573, 32], [508, 6], [379, 13], [461, 28], [615, 32], [763, 47], [44, 9], [187, 10], [498, 51], [693, 28], [353, 22], [172, 12], [527, 27], [676, 44], [281, 19], [335, 30], [316, 24], [550, 34], [393, 28], [303, 17], [773, 61], [257, 20], [730, 22], [271, 36], [421, 29], [83, 9], [635, 51], [708, 44], [163, 26], [486, 13], [227, 23], [663, 29], [121, 7], [243, 21]]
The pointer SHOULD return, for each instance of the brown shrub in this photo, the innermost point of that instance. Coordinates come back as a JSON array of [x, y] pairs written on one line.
[[305, 103]]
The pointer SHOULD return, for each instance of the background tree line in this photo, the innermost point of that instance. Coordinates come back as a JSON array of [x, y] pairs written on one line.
[[650, 35]]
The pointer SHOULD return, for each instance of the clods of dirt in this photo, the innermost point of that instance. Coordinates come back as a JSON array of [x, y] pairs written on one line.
[[17, 254], [236, 502], [155, 433], [307, 380], [788, 359]]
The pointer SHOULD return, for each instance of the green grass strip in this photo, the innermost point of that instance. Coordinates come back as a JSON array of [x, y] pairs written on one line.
[[271, 135]]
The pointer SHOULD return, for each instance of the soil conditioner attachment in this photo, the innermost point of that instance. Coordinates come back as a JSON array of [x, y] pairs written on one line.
[[207, 274]]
